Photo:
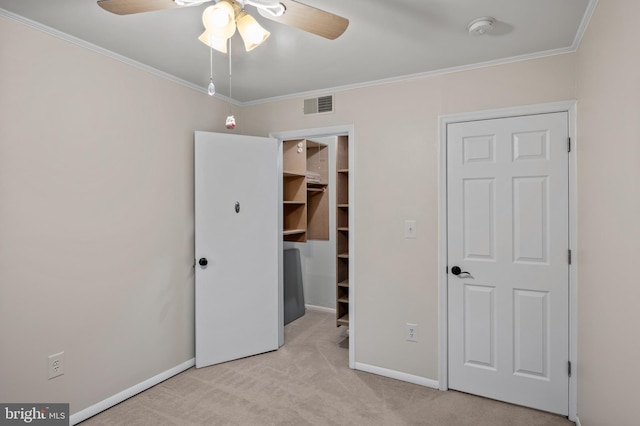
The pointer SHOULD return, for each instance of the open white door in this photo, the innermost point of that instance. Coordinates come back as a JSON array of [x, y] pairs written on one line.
[[236, 247]]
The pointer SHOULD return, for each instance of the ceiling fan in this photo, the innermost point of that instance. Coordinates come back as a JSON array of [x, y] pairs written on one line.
[[288, 12]]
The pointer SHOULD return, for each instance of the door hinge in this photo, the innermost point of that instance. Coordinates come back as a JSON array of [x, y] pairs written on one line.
[[569, 145], [569, 256], [569, 368]]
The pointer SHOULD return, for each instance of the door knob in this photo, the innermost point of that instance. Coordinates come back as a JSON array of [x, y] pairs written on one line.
[[457, 271], [203, 261]]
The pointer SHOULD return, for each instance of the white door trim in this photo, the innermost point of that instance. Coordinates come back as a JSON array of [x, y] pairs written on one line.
[[319, 133], [570, 108]]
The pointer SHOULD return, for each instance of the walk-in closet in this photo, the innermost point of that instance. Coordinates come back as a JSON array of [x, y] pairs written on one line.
[[315, 196]]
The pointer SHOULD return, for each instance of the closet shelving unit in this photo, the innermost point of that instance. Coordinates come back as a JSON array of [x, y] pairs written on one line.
[[342, 231], [305, 199], [317, 191], [294, 194]]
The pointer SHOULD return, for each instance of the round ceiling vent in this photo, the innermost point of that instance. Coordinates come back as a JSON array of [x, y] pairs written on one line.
[[480, 26]]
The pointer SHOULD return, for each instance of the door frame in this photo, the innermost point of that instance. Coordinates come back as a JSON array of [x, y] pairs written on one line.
[[345, 130], [443, 340]]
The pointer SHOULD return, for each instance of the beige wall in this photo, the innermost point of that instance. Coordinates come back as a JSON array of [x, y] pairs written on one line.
[[609, 213], [96, 228], [96, 219], [396, 166]]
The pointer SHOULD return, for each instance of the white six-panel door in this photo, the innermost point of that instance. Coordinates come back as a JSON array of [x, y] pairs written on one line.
[[508, 232]]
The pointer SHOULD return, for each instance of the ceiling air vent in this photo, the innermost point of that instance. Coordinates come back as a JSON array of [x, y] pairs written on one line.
[[318, 105]]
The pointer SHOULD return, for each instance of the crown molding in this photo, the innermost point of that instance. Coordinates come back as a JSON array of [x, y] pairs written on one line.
[[586, 19], [100, 50], [64, 36], [416, 76]]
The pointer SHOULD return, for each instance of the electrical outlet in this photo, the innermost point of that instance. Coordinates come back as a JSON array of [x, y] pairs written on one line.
[[56, 365], [412, 332]]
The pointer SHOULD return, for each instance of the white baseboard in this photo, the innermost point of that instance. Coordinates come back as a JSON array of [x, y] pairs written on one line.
[[577, 421], [398, 375], [128, 393], [320, 308]]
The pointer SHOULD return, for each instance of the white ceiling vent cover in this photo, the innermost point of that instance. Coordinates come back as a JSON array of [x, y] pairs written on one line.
[[319, 105]]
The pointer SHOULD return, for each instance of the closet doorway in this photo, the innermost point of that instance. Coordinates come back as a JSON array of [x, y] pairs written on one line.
[[327, 262]]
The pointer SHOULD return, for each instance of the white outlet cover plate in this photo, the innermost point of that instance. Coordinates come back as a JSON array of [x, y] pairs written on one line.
[[412, 332], [56, 365]]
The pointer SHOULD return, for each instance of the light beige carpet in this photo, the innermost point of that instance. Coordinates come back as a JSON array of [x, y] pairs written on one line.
[[308, 382]]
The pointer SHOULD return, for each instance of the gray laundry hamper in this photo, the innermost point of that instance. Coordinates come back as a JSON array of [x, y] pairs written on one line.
[[293, 291]]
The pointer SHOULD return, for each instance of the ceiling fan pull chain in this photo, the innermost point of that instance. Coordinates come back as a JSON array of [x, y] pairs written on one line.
[[211, 90], [231, 120], [229, 49]]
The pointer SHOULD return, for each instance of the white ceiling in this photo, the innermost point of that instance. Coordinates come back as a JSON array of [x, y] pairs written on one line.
[[385, 40]]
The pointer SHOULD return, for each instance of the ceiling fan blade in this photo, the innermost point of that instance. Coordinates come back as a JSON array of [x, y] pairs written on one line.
[[127, 7], [310, 19]]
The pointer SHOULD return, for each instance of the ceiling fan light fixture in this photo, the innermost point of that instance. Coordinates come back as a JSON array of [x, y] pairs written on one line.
[[252, 33], [219, 19], [219, 44]]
